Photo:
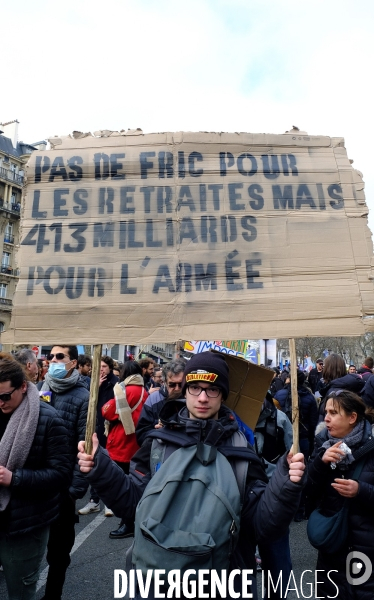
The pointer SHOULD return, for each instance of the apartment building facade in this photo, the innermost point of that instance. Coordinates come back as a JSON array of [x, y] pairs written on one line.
[[13, 157]]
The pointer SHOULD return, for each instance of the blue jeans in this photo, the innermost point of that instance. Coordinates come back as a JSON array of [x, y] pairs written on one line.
[[21, 557], [60, 543]]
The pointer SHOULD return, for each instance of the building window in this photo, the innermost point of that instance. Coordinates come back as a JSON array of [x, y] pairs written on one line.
[[5, 261], [13, 198], [3, 290], [8, 234], [2, 326]]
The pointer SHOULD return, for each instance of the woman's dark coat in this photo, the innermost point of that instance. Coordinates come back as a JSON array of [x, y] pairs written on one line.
[[35, 489], [361, 517]]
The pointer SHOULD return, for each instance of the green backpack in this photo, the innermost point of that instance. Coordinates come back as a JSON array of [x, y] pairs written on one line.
[[189, 514]]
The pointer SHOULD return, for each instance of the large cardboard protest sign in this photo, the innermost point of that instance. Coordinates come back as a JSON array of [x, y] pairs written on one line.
[[159, 237]]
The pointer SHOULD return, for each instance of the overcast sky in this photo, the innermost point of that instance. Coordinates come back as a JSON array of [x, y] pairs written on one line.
[[204, 65]]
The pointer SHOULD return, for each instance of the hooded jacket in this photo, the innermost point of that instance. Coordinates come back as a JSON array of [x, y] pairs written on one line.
[[267, 510]]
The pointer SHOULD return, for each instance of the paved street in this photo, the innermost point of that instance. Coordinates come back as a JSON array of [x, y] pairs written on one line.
[[90, 575]]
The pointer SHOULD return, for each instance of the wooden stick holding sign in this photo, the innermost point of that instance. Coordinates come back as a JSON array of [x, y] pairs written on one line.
[[94, 393], [295, 397]]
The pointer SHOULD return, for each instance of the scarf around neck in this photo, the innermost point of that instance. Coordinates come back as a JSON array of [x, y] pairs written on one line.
[[59, 386], [123, 410], [18, 437], [352, 439]]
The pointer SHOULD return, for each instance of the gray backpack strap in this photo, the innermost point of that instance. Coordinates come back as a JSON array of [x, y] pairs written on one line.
[[240, 467], [157, 455]]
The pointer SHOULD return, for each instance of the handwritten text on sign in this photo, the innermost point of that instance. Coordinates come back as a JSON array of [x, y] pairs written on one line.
[[110, 203], [142, 238]]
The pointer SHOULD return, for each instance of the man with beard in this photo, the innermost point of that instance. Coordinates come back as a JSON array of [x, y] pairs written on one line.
[[147, 366], [171, 390]]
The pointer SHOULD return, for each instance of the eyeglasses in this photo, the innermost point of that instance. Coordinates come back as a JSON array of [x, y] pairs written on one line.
[[211, 392], [58, 355], [7, 396], [174, 384]]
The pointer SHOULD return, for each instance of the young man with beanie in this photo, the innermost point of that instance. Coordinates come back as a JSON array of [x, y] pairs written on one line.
[[205, 429]]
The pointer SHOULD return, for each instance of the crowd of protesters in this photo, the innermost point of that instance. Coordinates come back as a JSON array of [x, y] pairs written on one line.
[[43, 410]]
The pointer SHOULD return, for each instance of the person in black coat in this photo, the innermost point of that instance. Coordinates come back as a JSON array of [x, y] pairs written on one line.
[[308, 411], [368, 392], [267, 509], [349, 420], [277, 383], [335, 377], [107, 382], [366, 370], [65, 390], [315, 375], [308, 418], [308, 415], [35, 467]]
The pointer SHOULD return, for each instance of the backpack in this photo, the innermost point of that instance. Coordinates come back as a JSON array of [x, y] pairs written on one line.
[[274, 446], [189, 514]]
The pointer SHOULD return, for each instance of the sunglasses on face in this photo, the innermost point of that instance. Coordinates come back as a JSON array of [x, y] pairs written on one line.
[[7, 396], [174, 384], [336, 394], [58, 355]]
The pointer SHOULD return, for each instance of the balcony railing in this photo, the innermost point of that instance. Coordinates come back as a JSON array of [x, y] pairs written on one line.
[[10, 175], [13, 207], [7, 270], [5, 301], [8, 239]]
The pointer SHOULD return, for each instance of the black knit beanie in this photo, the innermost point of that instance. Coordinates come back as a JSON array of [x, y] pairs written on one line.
[[209, 367]]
